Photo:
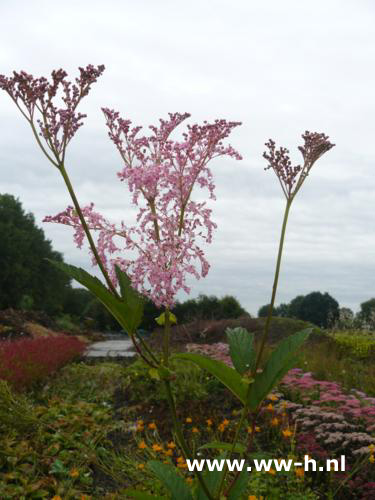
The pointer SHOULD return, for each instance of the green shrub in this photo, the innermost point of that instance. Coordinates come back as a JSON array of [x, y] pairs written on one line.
[[355, 345]]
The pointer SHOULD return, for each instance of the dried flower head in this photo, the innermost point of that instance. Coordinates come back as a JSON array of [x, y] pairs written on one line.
[[291, 176]]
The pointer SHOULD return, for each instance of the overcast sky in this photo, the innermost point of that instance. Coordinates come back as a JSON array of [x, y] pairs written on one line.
[[280, 67]]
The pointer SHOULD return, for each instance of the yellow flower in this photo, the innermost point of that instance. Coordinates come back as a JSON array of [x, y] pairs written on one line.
[[181, 463], [269, 407], [209, 422], [372, 448], [140, 428], [74, 473], [142, 445], [287, 433], [188, 420], [141, 466], [152, 426], [156, 447], [57, 497], [372, 459], [168, 453], [171, 445], [189, 480], [221, 427], [249, 430], [140, 423], [275, 422], [272, 472], [299, 472], [225, 421], [273, 397], [257, 429], [195, 430], [251, 497]]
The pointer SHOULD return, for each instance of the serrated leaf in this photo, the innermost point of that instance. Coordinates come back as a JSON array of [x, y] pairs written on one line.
[[219, 445], [168, 475], [241, 348], [224, 373], [279, 363], [120, 310]]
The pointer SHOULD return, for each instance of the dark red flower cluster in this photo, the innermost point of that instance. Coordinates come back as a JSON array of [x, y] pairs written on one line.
[[29, 360], [291, 177], [52, 105]]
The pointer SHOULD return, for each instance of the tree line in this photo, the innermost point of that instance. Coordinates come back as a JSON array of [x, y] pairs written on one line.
[[29, 281]]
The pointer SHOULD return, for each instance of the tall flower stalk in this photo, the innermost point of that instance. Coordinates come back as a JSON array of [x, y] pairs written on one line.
[[291, 179]]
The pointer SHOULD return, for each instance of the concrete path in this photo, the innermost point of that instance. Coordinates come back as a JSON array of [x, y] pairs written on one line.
[[110, 349]]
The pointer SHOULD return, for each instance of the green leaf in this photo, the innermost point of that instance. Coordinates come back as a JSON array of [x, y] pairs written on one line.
[[121, 310], [133, 300], [224, 373], [239, 487], [160, 320], [212, 480], [141, 495], [218, 445], [171, 480], [279, 363], [241, 348]]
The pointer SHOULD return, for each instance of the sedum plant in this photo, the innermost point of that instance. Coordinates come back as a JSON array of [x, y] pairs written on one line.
[[154, 257]]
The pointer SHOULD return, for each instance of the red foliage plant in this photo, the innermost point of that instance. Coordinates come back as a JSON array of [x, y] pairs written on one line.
[[29, 360]]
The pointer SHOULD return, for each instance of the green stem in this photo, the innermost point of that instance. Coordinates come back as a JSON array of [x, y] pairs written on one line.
[[147, 349], [87, 230], [236, 436], [167, 333], [248, 449], [180, 437], [274, 288]]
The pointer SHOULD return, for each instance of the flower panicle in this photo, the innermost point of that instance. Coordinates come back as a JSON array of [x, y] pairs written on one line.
[[52, 105], [291, 176]]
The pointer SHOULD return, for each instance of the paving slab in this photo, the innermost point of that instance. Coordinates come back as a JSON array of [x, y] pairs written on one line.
[[110, 349]]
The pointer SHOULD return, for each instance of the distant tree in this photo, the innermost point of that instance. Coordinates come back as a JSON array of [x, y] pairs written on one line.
[[230, 308], [26, 278], [281, 311], [316, 307], [294, 307], [263, 311], [203, 307], [367, 311], [346, 314], [76, 302]]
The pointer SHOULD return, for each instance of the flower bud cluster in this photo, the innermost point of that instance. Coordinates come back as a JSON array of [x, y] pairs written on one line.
[[291, 176]]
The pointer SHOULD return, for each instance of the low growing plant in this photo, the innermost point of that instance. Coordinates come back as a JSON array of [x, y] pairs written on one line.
[[31, 360], [163, 248]]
